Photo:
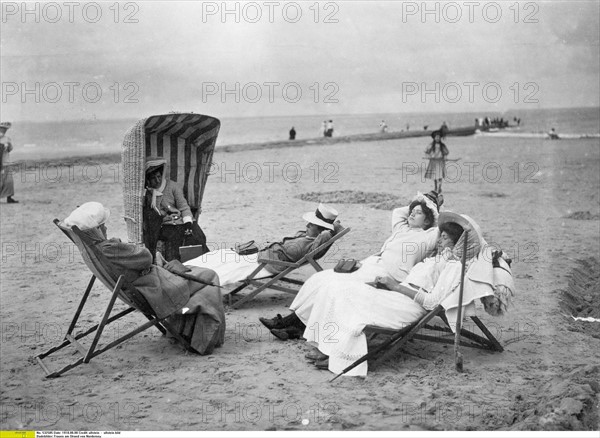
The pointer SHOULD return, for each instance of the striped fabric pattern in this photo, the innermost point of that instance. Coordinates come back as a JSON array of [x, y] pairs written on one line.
[[186, 141]]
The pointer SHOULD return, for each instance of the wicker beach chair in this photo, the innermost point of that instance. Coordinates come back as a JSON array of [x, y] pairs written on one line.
[[186, 141], [99, 266], [275, 281], [400, 337]]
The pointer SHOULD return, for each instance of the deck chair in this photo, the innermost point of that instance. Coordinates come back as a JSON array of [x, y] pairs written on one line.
[[399, 338], [121, 289], [271, 282]]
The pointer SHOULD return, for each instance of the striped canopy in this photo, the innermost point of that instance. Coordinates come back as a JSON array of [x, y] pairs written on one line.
[[186, 141]]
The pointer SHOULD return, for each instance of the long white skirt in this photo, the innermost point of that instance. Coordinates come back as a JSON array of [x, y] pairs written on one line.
[[340, 314], [337, 307], [303, 304], [229, 265]]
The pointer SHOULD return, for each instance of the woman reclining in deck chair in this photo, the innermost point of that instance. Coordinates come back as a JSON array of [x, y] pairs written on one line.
[[231, 267], [414, 237], [201, 319], [342, 312]]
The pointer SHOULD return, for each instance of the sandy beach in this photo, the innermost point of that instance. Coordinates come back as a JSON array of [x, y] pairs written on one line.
[[536, 199]]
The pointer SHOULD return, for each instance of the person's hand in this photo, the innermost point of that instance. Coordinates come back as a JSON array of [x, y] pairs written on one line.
[[176, 267], [388, 282], [188, 229]]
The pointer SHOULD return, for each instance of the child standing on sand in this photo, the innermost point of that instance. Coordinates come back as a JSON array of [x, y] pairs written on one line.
[[436, 152]]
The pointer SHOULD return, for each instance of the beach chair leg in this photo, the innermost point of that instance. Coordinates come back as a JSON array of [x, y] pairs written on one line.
[[494, 342], [249, 296], [105, 317], [81, 304], [404, 339]]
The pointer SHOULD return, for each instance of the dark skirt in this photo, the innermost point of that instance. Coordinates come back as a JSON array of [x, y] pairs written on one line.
[[436, 169]]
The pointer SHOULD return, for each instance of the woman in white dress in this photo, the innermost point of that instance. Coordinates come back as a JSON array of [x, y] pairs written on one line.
[[336, 322], [414, 237]]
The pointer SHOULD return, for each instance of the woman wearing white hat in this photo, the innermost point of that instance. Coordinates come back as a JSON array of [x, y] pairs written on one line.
[[7, 186], [231, 266], [195, 308]]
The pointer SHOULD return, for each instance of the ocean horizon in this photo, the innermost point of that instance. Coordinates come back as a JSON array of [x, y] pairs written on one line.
[[70, 138]]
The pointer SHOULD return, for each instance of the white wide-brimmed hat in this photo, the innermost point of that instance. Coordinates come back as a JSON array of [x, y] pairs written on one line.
[[475, 240], [324, 216], [87, 216]]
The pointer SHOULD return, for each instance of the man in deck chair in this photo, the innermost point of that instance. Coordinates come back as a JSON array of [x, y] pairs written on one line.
[[199, 315], [234, 265]]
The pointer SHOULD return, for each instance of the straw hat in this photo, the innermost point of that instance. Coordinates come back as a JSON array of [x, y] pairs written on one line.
[[5, 125], [154, 163], [475, 238], [324, 216], [87, 216]]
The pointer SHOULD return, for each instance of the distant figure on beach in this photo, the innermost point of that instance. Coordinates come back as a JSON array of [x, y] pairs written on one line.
[[383, 127], [7, 185], [436, 152], [425, 127], [324, 128], [408, 126], [444, 129], [292, 134], [553, 135], [329, 129]]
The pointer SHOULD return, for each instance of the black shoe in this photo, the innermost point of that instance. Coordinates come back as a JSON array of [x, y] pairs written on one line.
[[280, 322], [273, 323], [280, 334], [287, 333], [10, 200], [322, 364]]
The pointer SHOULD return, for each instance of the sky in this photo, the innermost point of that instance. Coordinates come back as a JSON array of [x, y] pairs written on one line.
[[85, 60]]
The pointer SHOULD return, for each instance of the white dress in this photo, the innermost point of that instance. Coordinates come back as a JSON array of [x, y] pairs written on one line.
[[339, 315], [229, 265], [401, 251]]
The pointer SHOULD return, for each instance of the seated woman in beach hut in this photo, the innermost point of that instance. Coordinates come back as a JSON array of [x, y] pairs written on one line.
[[234, 265], [167, 216], [414, 237], [196, 307]]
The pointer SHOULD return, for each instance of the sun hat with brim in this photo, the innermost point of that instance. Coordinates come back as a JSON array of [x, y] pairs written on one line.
[[87, 216], [437, 132], [5, 125], [324, 216], [475, 237], [154, 163]]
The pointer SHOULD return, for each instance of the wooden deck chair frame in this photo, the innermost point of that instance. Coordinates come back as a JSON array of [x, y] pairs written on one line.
[[399, 338], [403, 336], [97, 263], [271, 282]]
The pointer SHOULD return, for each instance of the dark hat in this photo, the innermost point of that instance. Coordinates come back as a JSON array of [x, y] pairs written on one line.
[[437, 198], [437, 132]]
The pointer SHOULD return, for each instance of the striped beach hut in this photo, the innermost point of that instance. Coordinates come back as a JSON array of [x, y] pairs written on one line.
[[186, 141]]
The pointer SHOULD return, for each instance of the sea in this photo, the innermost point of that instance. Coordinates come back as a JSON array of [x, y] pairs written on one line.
[[34, 141]]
